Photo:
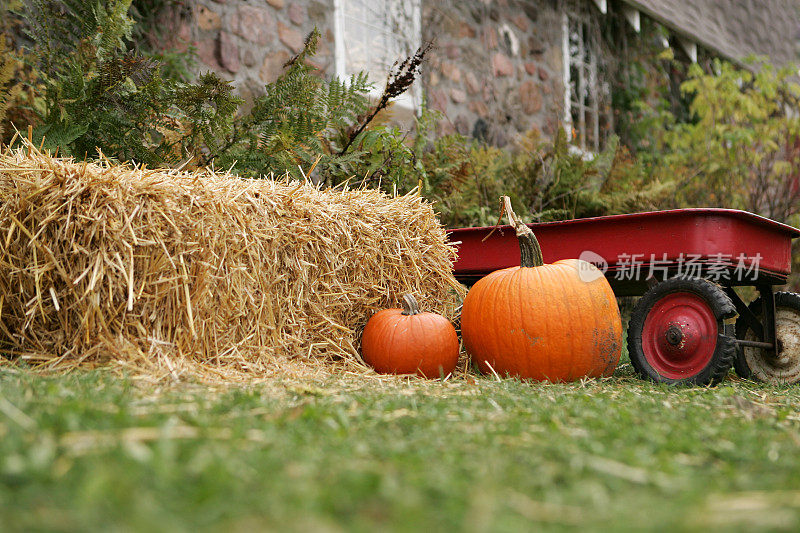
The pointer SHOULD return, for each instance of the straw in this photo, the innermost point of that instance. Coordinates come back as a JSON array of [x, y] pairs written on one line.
[[167, 272]]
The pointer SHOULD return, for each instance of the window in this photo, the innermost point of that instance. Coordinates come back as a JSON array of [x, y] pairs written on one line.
[[586, 117], [371, 35]]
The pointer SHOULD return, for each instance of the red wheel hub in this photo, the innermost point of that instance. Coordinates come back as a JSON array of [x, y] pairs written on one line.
[[679, 335]]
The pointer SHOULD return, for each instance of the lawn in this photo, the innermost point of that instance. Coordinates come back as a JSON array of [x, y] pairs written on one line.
[[93, 451]]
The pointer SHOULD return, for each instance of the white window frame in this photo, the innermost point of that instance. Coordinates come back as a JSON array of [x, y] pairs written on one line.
[[411, 99], [581, 96]]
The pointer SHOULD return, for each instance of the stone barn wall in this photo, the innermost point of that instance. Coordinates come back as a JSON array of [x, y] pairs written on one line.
[[495, 70], [249, 41], [497, 67]]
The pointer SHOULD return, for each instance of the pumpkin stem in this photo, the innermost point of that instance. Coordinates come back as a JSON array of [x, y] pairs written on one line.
[[410, 305], [529, 250]]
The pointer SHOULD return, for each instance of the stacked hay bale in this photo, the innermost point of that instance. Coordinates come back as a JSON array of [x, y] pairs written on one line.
[[101, 262]]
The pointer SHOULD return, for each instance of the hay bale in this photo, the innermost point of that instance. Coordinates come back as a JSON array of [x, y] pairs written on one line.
[[160, 269]]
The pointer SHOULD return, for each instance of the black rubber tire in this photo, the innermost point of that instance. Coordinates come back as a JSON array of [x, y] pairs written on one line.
[[720, 305], [782, 299]]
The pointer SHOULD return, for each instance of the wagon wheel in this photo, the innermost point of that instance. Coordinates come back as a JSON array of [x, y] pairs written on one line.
[[676, 333], [780, 366]]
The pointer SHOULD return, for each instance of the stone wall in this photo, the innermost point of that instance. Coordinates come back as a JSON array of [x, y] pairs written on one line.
[[249, 41], [495, 70], [497, 67]]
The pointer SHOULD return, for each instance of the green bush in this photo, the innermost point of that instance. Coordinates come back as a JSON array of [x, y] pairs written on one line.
[[100, 95], [741, 147], [547, 180], [295, 126], [8, 67]]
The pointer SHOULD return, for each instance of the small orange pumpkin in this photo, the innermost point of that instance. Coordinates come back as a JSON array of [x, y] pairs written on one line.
[[542, 322], [407, 341]]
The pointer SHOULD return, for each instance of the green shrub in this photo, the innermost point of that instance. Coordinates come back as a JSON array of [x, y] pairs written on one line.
[[8, 93], [99, 96], [296, 125], [742, 145], [548, 178]]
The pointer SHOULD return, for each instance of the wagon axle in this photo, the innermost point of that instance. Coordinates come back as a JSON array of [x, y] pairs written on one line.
[[674, 335], [757, 344]]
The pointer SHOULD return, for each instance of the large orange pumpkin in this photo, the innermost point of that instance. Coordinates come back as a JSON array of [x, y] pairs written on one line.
[[407, 341], [556, 322]]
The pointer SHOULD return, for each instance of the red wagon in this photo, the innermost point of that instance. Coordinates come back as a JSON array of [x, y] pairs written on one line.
[[685, 264]]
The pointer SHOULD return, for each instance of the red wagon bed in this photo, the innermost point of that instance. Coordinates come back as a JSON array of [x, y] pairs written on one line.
[[631, 248]]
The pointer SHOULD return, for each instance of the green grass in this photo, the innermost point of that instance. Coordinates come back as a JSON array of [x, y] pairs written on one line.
[[91, 451]]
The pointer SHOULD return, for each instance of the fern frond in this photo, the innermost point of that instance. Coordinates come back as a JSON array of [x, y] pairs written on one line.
[[8, 65], [114, 27]]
